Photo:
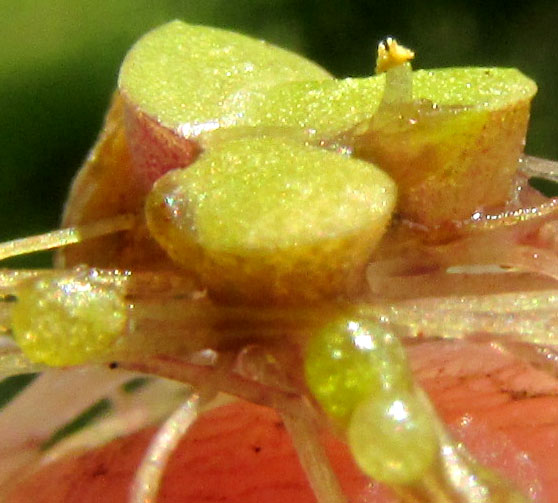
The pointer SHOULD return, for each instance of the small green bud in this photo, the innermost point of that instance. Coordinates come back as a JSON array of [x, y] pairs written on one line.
[[392, 438], [349, 360], [68, 319]]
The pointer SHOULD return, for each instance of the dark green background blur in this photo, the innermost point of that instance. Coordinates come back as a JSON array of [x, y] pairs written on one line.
[[59, 60]]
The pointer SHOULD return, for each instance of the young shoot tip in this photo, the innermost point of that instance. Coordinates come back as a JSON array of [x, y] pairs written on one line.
[[393, 59], [391, 54]]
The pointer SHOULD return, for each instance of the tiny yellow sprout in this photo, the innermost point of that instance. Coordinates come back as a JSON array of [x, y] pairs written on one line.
[[391, 54]]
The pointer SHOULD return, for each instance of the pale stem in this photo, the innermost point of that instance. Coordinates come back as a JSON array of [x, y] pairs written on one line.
[[64, 237], [398, 88], [291, 407], [459, 477], [535, 166], [312, 457], [14, 362], [148, 477]]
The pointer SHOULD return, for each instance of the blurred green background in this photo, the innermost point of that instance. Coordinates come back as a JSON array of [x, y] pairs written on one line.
[[59, 60]]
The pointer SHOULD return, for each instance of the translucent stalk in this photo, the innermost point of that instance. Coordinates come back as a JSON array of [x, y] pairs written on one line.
[[149, 474], [64, 237]]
